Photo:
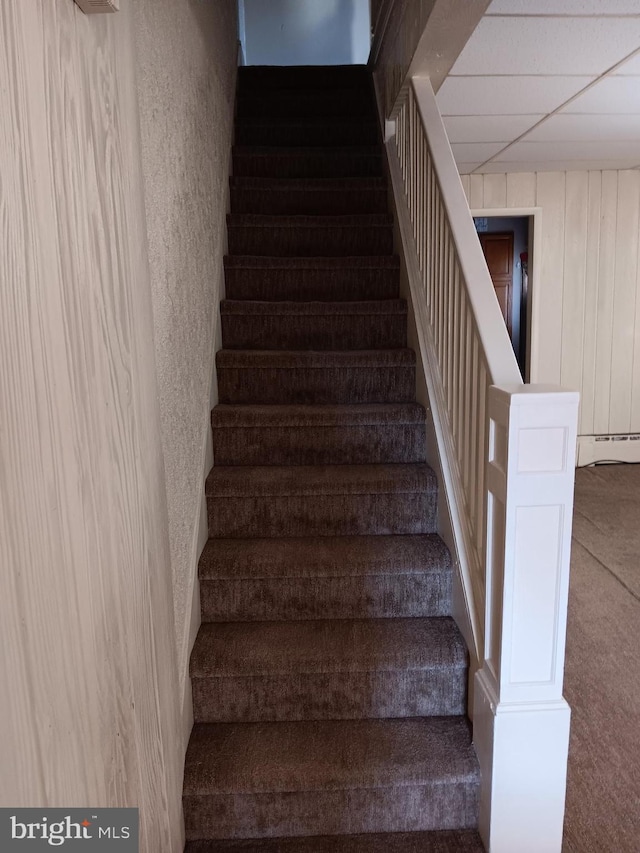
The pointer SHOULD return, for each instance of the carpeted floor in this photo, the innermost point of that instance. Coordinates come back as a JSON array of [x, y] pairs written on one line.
[[602, 676]]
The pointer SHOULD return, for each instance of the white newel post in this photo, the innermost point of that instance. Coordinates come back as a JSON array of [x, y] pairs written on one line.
[[521, 720]]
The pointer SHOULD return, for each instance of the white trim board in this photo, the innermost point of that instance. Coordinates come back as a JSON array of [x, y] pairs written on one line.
[[533, 330]]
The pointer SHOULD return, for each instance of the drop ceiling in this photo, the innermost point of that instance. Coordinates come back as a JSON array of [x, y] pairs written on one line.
[[545, 85]]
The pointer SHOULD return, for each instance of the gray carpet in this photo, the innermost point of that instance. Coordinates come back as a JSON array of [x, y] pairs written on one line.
[[602, 676]]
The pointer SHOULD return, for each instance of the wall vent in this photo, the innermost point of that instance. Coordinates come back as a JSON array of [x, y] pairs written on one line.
[[96, 7]]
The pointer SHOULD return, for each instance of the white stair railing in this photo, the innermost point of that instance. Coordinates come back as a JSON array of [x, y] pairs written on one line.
[[507, 453]]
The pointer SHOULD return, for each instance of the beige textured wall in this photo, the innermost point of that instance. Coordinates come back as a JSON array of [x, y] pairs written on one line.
[[187, 55], [97, 552], [89, 701], [587, 313]]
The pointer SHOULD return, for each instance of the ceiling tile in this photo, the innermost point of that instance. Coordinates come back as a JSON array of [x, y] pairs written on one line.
[[547, 46], [466, 168], [488, 128], [631, 66], [576, 151], [563, 7], [610, 95], [563, 127], [556, 166], [465, 152], [473, 96]]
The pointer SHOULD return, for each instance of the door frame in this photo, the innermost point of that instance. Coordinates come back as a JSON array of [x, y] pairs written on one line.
[[532, 367]]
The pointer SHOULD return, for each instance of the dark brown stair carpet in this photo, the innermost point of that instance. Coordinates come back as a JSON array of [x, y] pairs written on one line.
[[310, 236], [333, 377], [318, 435], [353, 101], [308, 279], [271, 162], [329, 679], [328, 670], [266, 78], [451, 841], [310, 132], [340, 500], [283, 196], [325, 578], [330, 777], [314, 325]]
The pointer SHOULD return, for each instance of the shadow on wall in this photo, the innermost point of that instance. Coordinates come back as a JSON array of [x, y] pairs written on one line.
[[306, 32]]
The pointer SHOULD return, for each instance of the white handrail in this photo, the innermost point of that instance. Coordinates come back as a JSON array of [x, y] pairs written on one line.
[[502, 367], [507, 454]]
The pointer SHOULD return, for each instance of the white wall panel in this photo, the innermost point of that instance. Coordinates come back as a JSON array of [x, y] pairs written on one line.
[[588, 303], [624, 303]]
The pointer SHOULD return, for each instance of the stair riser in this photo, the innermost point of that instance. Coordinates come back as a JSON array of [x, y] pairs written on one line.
[[273, 385], [310, 242], [314, 332], [307, 285], [447, 841], [308, 202], [407, 808], [357, 445], [340, 164], [329, 515], [305, 105], [306, 135], [330, 696], [371, 597]]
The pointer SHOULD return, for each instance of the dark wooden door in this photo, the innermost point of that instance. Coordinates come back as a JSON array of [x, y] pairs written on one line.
[[498, 251]]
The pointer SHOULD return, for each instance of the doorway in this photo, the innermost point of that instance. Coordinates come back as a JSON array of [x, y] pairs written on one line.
[[506, 243]]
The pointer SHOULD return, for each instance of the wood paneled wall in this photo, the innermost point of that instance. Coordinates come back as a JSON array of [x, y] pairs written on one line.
[[89, 698], [588, 299]]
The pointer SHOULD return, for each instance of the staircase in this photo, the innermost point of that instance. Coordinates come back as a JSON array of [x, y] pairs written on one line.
[[329, 680]]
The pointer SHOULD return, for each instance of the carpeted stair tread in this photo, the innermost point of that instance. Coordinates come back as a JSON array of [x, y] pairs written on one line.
[[307, 279], [350, 577], [310, 131], [342, 556], [305, 185], [329, 197], [302, 77], [325, 500], [317, 377], [315, 360], [326, 646], [328, 755], [354, 100], [353, 234], [318, 480], [314, 325], [327, 265], [328, 669], [237, 417], [307, 162], [356, 220], [445, 841], [318, 435], [379, 308]]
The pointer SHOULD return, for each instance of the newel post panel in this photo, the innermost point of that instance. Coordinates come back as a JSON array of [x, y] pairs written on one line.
[[521, 720]]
